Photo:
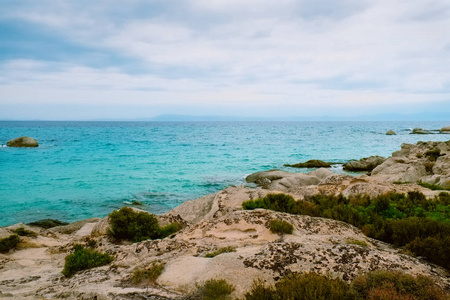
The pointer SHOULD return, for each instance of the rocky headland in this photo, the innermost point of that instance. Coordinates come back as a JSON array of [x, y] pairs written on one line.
[[218, 221]]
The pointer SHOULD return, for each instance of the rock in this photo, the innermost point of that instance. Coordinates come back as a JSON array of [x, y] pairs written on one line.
[[280, 180], [427, 162], [364, 164], [420, 131], [313, 163], [23, 141], [390, 132], [445, 129], [73, 227]]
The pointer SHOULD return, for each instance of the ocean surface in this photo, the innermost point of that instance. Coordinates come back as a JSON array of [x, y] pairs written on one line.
[[87, 169]]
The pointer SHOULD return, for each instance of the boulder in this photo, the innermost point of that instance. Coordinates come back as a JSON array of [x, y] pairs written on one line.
[[313, 163], [445, 129], [390, 132], [280, 180], [420, 131], [364, 164], [23, 141]]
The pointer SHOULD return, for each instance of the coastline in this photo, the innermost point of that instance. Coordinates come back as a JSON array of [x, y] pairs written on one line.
[[218, 220]]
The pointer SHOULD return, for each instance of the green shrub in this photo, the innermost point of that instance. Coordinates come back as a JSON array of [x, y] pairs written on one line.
[[9, 243], [127, 224], [281, 227], [169, 229], [435, 249], [433, 155], [83, 259], [149, 275], [215, 289], [433, 187], [396, 285], [378, 285], [301, 286], [23, 232], [221, 251], [277, 202]]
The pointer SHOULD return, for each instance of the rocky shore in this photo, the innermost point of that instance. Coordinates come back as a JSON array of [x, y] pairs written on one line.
[[217, 221]]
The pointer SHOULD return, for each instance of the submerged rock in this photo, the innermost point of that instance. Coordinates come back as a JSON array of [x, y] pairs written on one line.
[[23, 141], [313, 163], [364, 164], [391, 132]]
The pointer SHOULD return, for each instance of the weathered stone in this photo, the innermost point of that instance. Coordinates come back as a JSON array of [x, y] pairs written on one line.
[[445, 129], [23, 141], [390, 132], [420, 131], [313, 163], [364, 164]]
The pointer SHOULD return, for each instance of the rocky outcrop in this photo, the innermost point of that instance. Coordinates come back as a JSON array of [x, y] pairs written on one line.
[[445, 129], [325, 182], [424, 162], [420, 131], [364, 164], [313, 163], [23, 141], [390, 132], [316, 244]]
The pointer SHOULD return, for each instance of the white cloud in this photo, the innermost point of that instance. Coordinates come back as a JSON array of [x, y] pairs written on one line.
[[345, 54]]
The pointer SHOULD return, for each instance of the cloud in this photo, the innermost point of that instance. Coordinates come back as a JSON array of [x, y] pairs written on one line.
[[352, 56]]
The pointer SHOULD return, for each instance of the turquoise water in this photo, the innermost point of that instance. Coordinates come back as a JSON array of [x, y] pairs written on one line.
[[86, 169]]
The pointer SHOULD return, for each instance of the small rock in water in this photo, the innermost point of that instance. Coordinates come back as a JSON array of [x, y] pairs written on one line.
[[391, 132], [445, 129], [313, 163], [23, 141], [420, 131]]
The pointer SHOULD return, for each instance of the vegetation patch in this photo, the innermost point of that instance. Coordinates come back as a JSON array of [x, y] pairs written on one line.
[[301, 287], [9, 243], [281, 227], [221, 251], [23, 232], [406, 220], [47, 223], [148, 275], [215, 289], [433, 187], [375, 285], [83, 259], [356, 242], [127, 224]]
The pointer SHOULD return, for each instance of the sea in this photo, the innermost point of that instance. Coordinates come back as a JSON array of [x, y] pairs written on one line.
[[88, 169]]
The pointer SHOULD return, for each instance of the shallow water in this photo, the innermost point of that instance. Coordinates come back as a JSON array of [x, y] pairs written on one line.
[[86, 169]]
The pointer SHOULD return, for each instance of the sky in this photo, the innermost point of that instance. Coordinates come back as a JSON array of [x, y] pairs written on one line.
[[80, 60]]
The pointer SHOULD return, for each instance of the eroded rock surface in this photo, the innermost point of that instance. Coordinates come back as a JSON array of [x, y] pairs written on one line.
[[23, 141]]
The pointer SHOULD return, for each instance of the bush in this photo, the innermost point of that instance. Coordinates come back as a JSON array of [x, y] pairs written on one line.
[[83, 259], [281, 227], [149, 275], [302, 286], [23, 232], [169, 229], [221, 251], [277, 202], [9, 243], [380, 285], [127, 224], [396, 285], [215, 289]]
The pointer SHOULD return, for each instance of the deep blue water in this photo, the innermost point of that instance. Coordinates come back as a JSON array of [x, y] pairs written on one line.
[[86, 169]]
